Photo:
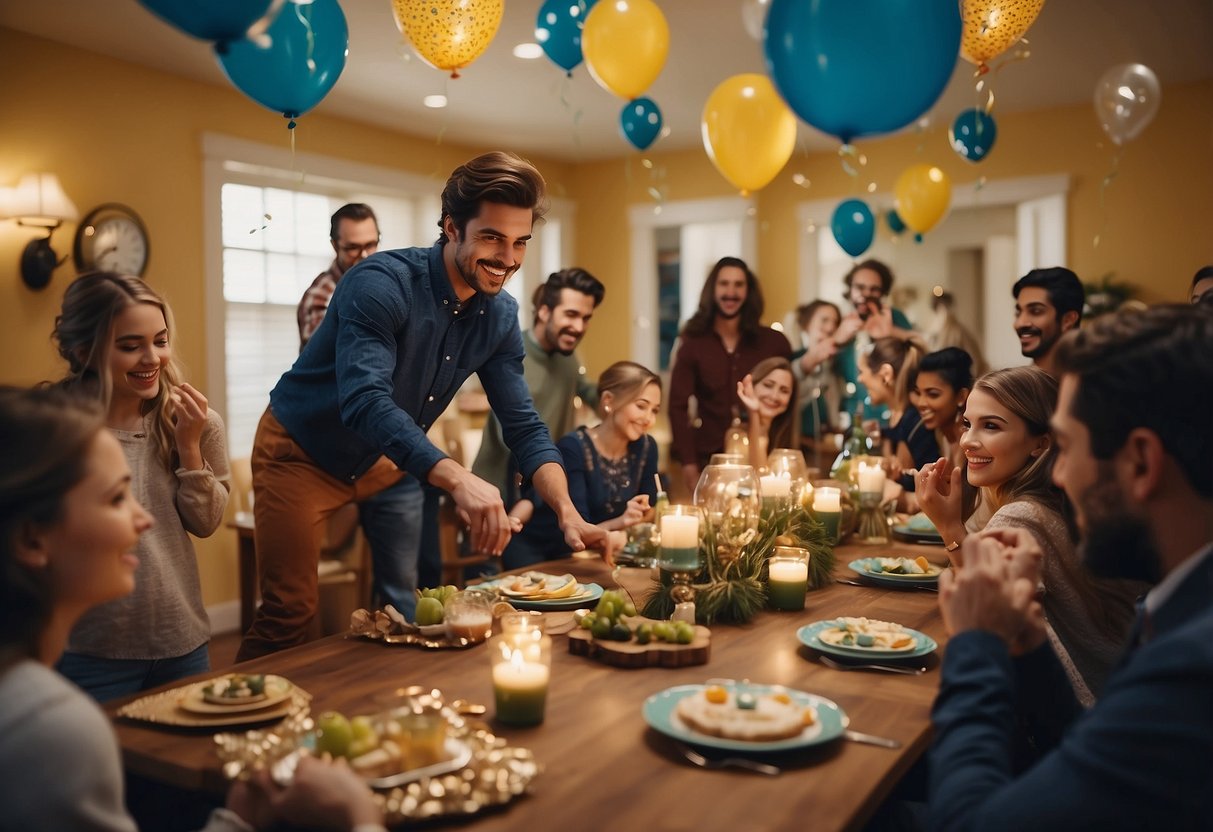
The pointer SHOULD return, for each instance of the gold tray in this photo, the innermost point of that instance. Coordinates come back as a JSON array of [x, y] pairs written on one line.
[[165, 708]]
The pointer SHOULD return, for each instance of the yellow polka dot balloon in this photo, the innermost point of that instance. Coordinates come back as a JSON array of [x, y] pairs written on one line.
[[449, 34], [991, 27]]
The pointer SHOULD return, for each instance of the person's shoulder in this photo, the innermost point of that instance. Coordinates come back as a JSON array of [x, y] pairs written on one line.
[[38, 698], [774, 339]]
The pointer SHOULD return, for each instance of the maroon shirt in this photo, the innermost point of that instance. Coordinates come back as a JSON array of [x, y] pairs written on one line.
[[703, 368]]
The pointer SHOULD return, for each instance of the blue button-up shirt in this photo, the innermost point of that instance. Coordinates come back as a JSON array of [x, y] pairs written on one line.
[[392, 352]]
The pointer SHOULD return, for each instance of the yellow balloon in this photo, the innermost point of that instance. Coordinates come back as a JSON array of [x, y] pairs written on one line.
[[923, 193], [449, 34], [748, 131], [991, 27], [625, 43]]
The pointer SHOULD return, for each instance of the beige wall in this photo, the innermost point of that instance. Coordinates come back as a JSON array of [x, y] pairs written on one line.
[[114, 131]]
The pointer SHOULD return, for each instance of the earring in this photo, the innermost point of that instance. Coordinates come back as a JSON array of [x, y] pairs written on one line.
[[606, 408]]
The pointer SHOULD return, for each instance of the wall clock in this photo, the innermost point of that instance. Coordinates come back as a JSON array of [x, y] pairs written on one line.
[[111, 238]]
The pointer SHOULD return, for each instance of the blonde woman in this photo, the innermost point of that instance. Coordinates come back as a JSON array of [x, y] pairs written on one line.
[[1009, 452], [610, 468], [116, 335]]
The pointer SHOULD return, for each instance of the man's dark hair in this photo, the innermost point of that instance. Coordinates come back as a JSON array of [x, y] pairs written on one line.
[[1062, 286], [751, 311], [1147, 368], [1202, 273], [885, 273], [356, 211], [500, 177], [579, 280]]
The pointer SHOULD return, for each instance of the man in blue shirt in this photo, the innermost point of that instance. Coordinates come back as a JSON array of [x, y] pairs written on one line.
[[1136, 461], [403, 331]]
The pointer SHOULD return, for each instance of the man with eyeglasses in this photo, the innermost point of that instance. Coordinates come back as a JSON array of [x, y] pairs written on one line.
[[354, 233]]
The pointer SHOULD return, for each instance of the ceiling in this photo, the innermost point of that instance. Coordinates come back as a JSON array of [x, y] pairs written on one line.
[[530, 106]]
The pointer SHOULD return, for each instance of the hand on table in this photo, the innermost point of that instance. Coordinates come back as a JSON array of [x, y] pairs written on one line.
[[580, 535], [322, 795]]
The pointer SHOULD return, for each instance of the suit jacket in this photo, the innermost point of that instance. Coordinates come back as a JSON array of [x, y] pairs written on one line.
[[1141, 758]]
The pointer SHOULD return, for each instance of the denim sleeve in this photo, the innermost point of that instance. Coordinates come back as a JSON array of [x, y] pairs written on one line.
[[368, 318], [525, 434]]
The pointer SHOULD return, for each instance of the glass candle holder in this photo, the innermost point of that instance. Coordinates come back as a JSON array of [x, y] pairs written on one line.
[[728, 459], [788, 577], [827, 508], [679, 528], [469, 616], [522, 668], [789, 463], [728, 496]]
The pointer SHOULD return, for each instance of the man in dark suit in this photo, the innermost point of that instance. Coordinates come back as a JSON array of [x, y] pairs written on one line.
[[1134, 424]]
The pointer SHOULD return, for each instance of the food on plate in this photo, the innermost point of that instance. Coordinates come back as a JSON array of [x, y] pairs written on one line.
[[750, 717], [538, 586], [903, 566], [235, 689], [867, 633], [608, 622], [385, 745]]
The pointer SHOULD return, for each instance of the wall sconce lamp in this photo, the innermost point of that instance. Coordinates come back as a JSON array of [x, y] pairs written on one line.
[[38, 201]]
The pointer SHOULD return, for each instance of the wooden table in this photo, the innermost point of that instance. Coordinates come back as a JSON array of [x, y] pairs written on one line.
[[602, 764]]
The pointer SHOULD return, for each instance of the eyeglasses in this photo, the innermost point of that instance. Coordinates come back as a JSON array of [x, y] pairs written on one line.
[[355, 248]]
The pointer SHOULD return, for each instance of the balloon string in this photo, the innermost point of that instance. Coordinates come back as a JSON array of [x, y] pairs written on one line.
[[446, 113], [1103, 194], [847, 154], [306, 20]]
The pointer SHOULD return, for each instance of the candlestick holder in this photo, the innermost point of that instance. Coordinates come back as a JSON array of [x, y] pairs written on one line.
[[679, 530], [872, 525]]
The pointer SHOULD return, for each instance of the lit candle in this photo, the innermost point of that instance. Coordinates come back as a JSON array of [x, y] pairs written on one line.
[[789, 581], [679, 542], [776, 490], [827, 505], [521, 690], [871, 479]]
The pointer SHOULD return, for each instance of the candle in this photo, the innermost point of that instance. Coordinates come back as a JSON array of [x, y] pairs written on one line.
[[680, 542], [871, 479], [521, 690], [776, 491], [827, 505], [789, 581]]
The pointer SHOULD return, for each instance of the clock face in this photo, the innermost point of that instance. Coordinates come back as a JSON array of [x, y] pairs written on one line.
[[111, 238]]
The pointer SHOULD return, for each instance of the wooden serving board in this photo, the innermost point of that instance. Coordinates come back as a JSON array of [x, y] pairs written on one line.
[[633, 654]]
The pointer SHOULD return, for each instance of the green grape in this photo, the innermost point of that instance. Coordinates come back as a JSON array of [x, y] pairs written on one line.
[[601, 628], [588, 621], [620, 632], [629, 608]]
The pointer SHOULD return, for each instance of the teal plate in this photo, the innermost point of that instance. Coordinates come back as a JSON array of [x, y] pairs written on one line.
[[552, 604], [659, 713], [863, 567], [809, 636], [913, 535]]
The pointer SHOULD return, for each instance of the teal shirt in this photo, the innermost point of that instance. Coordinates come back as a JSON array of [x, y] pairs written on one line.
[[846, 364]]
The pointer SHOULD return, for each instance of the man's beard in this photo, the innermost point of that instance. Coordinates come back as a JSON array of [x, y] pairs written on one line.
[[1116, 543], [553, 335], [1043, 347]]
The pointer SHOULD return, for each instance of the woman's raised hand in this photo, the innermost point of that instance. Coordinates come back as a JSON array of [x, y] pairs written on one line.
[[939, 497], [189, 418], [637, 509], [745, 392]]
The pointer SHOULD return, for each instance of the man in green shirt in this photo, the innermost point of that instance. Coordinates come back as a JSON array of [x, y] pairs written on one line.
[[552, 369]]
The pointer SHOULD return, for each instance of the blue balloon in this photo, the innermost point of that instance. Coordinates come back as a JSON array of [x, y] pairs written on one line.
[[211, 19], [640, 121], [558, 30], [894, 220], [308, 45], [972, 134], [853, 226], [855, 68]]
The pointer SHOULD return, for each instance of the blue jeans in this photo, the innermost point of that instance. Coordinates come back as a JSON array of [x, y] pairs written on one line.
[[391, 521], [106, 679]]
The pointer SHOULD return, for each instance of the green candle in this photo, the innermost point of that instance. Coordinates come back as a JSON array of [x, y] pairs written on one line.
[[788, 583], [521, 691]]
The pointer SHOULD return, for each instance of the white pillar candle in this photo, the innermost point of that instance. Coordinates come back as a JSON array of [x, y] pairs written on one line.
[[789, 571], [775, 486], [827, 499], [871, 479], [679, 531]]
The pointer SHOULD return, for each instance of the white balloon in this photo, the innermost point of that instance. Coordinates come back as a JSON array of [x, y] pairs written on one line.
[[1126, 99], [754, 16]]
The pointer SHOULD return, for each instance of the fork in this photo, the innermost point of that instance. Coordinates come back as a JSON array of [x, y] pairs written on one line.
[[888, 668], [736, 762]]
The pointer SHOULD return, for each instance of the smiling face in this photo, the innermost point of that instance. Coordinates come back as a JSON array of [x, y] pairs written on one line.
[[823, 324], [938, 403], [561, 329], [88, 551], [879, 383], [488, 251], [774, 392], [356, 241], [634, 419], [866, 291], [138, 353], [996, 443], [1037, 323], [729, 292]]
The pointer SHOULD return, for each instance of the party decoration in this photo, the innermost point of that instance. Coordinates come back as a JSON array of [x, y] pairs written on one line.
[[640, 121], [991, 27], [894, 222], [558, 30], [748, 132], [754, 16], [853, 226], [625, 43], [1126, 99], [217, 20], [972, 134], [923, 193], [449, 34], [306, 54], [855, 68]]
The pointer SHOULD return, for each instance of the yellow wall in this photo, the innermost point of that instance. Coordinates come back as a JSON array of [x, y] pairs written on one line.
[[114, 131]]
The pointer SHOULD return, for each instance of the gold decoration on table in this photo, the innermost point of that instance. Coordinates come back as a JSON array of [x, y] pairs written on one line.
[[390, 627], [495, 774], [165, 708]]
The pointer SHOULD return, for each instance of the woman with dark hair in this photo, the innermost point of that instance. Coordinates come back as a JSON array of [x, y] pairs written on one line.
[[116, 335], [940, 388], [767, 392], [1009, 453], [886, 372], [69, 525], [611, 468], [818, 390]]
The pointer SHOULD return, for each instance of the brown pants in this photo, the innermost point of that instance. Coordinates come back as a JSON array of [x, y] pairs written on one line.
[[293, 501]]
